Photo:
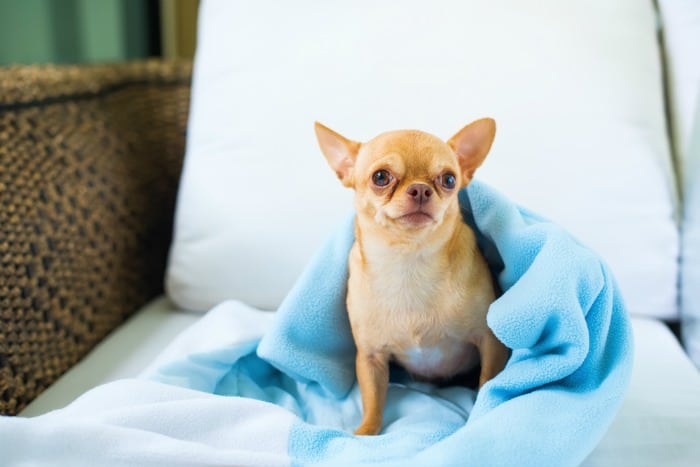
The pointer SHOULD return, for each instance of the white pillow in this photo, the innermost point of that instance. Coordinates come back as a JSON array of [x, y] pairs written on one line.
[[575, 88]]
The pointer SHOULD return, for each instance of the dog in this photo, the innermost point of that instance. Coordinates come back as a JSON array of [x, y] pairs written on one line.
[[418, 286]]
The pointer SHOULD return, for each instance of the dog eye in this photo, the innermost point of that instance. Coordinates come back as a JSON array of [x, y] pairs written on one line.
[[381, 178], [448, 180]]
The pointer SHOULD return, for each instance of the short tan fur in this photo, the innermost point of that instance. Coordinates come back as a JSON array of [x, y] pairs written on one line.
[[418, 287]]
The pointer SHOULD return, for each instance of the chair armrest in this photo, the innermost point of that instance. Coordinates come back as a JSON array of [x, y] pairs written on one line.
[[90, 159]]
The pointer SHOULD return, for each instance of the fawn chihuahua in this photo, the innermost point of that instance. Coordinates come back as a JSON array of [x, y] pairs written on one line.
[[418, 286]]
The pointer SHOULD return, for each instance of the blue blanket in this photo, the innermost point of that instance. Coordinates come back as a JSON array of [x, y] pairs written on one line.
[[295, 398], [561, 313]]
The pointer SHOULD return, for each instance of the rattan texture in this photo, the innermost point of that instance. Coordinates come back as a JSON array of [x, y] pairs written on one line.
[[90, 159]]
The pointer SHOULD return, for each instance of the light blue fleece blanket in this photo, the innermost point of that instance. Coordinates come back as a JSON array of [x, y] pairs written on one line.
[[295, 400], [561, 313]]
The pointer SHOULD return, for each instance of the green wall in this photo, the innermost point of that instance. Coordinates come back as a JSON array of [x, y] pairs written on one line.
[[74, 31]]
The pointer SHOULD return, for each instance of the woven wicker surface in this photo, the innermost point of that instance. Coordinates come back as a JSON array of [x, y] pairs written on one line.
[[90, 158]]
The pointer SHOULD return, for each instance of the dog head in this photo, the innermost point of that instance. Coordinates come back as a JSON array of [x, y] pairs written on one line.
[[407, 179]]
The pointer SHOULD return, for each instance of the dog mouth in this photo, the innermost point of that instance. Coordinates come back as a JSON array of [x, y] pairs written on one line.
[[417, 218]]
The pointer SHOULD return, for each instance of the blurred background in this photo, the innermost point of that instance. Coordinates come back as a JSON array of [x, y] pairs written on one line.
[[83, 31]]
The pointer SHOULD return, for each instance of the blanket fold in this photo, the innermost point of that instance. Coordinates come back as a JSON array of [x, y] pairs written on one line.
[[292, 382]]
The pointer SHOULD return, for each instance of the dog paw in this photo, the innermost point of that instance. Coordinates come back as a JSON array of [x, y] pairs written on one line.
[[368, 429]]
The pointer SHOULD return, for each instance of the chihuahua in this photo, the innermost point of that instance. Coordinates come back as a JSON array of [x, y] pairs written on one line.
[[418, 287]]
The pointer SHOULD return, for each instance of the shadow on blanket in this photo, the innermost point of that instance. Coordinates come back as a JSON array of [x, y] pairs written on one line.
[[296, 401]]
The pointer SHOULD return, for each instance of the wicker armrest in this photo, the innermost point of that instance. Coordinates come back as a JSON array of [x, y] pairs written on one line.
[[90, 158]]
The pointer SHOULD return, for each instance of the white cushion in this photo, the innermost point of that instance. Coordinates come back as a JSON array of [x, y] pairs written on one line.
[[575, 89]]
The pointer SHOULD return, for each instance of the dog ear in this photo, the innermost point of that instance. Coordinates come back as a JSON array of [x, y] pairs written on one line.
[[340, 152], [471, 144]]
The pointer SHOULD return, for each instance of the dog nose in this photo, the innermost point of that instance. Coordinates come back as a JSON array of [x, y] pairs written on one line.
[[420, 192]]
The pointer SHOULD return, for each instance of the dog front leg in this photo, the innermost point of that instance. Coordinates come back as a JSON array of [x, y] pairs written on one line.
[[373, 377], [494, 356]]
